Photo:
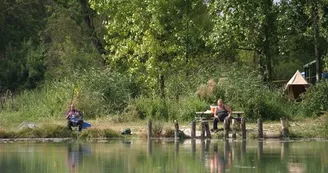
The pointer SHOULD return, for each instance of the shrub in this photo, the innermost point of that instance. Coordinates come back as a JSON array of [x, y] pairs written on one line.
[[249, 93], [98, 133], [315, 99], [185, 108], [168, 132], [153, 107], [157, 128], [95, 93]]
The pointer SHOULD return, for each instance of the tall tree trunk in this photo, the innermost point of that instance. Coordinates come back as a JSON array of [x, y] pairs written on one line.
[[88, 16], [316, 37], [162, 86], [187, 38], [268, 27]]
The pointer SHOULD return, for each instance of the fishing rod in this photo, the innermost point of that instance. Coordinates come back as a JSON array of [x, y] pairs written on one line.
[[72, 96]]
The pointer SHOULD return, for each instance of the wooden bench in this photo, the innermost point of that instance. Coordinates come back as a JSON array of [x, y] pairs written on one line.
[[207, 116]]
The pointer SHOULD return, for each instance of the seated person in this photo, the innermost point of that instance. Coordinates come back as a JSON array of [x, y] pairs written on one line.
[[74, 118], [222, 111]]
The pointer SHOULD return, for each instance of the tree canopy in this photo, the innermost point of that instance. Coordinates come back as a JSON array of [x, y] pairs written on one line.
[[153, 40]]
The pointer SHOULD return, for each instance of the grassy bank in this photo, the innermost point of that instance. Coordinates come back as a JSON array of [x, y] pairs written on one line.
[[104, 128], [111, 100]]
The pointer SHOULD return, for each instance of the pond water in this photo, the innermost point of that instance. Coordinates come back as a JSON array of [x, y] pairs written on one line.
[[164, 156]]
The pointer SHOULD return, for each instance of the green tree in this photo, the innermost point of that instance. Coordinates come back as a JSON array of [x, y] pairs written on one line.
[[245, 25], [154, 38], [298, 40], [20, 55]]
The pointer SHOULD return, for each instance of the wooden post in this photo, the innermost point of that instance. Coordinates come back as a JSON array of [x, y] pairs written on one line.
[[284, 127], [193, 129], [243, 128], [226, 128], [149, 129], [243, 149], [176, 146], [202, 135], [202, 149], [207, 129], [176, 129], [234, 129], [260, 126]]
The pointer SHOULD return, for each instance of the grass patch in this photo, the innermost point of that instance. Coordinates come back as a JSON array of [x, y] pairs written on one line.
[[99, 133], [58, 131], [44, 131]]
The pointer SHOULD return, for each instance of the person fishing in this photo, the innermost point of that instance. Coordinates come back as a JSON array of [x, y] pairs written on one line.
[[74, 117]]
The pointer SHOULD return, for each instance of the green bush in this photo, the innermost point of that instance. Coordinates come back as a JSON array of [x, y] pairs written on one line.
[[154, 108], [95, 93], [185, 108], [243, 89], [315, 99], [157, 128], [98, 133]]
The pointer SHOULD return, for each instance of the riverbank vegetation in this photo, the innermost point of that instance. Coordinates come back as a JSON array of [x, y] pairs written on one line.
[[139, 60]]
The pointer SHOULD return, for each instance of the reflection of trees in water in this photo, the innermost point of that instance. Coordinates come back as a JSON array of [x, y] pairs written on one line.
[[219, 156]]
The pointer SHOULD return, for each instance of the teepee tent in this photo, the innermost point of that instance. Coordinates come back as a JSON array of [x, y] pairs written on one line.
[[296, 85]]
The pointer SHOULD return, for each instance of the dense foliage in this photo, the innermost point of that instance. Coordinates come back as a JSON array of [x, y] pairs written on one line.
[[158, 59]]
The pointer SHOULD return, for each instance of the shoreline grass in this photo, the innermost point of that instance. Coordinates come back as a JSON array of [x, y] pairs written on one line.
[[103, 128]]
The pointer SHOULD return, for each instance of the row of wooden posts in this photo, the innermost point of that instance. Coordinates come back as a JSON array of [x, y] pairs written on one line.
[[226, 126]]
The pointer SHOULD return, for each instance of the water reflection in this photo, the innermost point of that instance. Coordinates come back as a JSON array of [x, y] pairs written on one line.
[[220, 161], [189, 156], [75, 153]]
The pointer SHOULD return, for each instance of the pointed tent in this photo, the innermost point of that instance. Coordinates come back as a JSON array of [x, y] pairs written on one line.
[[296, 86]]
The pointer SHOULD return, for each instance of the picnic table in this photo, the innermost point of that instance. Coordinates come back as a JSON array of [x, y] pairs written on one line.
[[208, 115]]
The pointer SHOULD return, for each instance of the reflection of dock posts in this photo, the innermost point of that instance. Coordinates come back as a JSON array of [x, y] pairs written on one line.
[[149, 147], [149, 129], [226, 128], [207, 145], [284, 150], [176, 146], [260, 150], [243, 150], [226, 149], [233, 150], [193, 147], [193, 129], [202, 149], [260, 126], [216, 156], [284, 127], [176, 130], [243, 128]]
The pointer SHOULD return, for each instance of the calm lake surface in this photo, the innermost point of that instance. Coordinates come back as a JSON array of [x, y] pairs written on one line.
[[188, 156]]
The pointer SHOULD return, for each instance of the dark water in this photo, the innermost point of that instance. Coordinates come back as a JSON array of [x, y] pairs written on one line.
[[164, 156]]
